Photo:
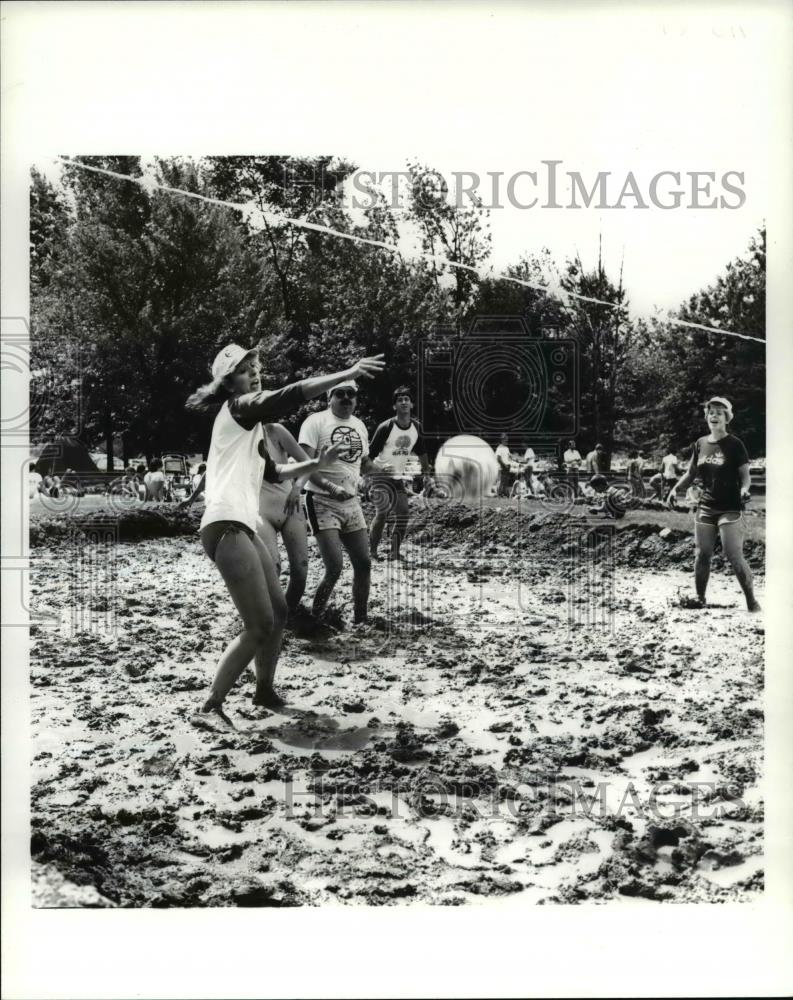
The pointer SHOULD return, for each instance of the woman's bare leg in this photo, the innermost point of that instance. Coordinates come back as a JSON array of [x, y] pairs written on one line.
[[269, 535], [240, 565], [732, 543], [295, 538], [268, 652], [705, 540]]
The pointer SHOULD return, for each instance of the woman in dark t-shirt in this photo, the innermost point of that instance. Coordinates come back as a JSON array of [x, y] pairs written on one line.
[[720, 462]]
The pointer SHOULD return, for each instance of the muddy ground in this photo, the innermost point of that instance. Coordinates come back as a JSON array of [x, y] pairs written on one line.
[[538, 717]]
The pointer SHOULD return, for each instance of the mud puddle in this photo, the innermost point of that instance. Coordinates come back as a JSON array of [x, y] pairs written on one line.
[[531, 734]]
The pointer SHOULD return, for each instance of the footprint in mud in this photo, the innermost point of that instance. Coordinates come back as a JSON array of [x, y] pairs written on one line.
[[312, 731]]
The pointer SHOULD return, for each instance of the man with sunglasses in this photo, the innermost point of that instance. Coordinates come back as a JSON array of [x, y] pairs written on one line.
[[332, 502], [393, 442]]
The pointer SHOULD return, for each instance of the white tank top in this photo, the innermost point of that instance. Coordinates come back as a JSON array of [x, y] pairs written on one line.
[[235, 468]]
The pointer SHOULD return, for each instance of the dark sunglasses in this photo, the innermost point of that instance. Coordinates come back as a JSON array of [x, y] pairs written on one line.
[[345, 393]]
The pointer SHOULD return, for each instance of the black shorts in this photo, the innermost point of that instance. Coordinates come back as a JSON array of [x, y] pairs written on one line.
[[212, 534], [710, 515]]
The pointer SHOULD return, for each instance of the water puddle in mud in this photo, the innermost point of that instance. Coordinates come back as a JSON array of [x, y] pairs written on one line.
[[728, 875], [301, 738]]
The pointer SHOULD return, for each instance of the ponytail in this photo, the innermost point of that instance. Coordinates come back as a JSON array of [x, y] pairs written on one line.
[[208, 397]]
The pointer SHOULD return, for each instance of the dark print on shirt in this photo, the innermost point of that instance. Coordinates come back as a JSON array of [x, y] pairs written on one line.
[[402, 445], [351, 439]]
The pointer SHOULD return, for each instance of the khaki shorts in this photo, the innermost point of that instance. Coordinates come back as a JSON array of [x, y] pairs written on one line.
[[325, 513]]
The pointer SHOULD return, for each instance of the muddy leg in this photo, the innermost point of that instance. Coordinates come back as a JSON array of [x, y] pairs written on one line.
[[240, 565], [401, 515], [732, 543], [357, 545], [331, 551], [296, 542], [705, 540], [269, 651]]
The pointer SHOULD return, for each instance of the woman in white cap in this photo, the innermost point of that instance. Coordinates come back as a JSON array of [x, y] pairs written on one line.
[[236, 464], [721, 464]]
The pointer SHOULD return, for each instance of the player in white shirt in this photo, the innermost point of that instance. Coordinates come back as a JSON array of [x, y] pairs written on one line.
[[504, 459], [670, 468], [392, 443], [35, 481], [529, 458], [572, 463], [236, 463], [332, 501]]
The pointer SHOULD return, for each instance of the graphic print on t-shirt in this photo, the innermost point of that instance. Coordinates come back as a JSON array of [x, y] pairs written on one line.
[[351, 440], [402, 445], [717, 466]]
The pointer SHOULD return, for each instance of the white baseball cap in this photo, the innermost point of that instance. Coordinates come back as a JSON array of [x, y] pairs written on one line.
[[721, 401], [349, 384], [228, 359]]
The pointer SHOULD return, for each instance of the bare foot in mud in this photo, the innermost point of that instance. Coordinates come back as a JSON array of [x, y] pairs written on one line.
[[686, 601], [266, 697], [212, 717]]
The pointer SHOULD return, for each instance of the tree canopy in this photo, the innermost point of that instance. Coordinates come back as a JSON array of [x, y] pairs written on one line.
[[133, 291]]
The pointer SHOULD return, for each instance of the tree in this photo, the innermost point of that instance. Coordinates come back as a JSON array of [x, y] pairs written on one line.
[[605, 335], [294, 187], [458, 233], [696, 364], [148, 288]]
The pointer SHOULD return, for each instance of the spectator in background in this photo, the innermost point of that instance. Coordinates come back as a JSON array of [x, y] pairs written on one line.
[[504, 460], [529, 458], [572, 464], [35, 481], [635, 466], [198, 480], [130, 473], [140, 476], [597, 461], [657, 486], [154, 481], [610, 501], [670, 468]]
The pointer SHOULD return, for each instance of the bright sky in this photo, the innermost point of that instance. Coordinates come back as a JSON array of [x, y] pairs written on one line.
[[481, 88]]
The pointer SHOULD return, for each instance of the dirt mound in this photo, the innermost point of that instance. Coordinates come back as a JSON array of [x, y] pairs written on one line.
[[551, 535], [544, 535], [151, 521]]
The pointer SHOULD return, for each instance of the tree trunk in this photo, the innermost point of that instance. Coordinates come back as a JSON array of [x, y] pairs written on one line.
[[111, 465]]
